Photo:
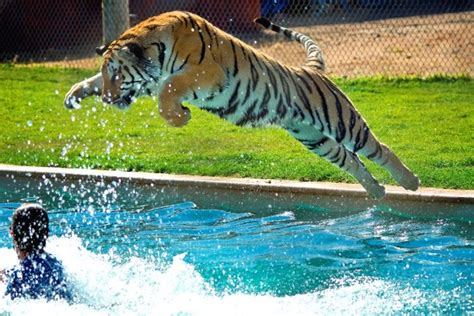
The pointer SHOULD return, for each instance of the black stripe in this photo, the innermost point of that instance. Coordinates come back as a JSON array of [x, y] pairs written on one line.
[[312, 144], [376, 151], [217, 41], [305, 82], [247, 93], [326, 153], [184, 63], [360, 142], [151, 27], [206, 28], [139, 72], [243, 50], [127, 70], [273, 81], [257, 60], [298, 111], [334, 158], [352, 122], [387, 158], [197, 28], [325, 108], [203, 46], [135, 49], [266, 98], [172, 64], [341, 128], [180, 19], [191, 20], [161, 52], [306, 104], [263, 22], [330, 83], [171, 54], [275, 28], [281, 108], [236, 68], [248, 115], [322, 100], [233, 105], [253, 74], [185, 21], [288, 33], [289, 102], [304, 99], [343, 162], [356, 140], [161, 57], [282, 71]]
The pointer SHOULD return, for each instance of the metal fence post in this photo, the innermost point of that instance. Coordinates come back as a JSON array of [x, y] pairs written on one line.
[[115, 19]]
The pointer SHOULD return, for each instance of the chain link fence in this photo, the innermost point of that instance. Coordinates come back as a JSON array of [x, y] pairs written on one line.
[[358, 37]]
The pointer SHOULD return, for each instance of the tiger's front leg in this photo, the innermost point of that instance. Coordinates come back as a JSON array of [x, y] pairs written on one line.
[[200, 81], [83, 89]]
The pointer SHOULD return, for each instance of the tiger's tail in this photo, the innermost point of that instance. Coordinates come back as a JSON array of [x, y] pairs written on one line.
[[313, 52]]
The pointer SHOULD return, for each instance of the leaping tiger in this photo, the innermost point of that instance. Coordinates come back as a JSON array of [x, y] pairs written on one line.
[[179, 56]]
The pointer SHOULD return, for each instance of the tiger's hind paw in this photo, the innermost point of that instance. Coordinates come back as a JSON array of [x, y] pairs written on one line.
[[377, 193], [410, 182], [374, 189]]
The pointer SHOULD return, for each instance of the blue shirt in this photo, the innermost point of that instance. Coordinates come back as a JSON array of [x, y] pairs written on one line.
[[39, 275]]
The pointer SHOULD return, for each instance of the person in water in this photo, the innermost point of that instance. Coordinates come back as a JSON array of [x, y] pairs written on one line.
[[39, 274]]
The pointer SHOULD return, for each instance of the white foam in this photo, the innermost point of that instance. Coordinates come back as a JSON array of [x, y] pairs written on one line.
[[103, 285]]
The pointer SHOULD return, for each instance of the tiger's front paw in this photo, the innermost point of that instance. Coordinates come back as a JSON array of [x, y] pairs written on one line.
[[186, 114], [182, 118], [73, 98], [178, 117]]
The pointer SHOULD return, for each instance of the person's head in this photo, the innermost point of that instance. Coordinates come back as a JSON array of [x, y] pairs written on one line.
[[29, 228]]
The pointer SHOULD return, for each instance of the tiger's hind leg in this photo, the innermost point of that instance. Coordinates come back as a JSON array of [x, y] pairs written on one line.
[[337, 154], [384, 157]]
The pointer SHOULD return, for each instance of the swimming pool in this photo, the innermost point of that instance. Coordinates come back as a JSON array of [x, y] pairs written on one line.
[[141, 248]]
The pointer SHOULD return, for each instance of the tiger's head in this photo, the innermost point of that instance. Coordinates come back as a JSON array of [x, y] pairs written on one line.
[[128, 71]]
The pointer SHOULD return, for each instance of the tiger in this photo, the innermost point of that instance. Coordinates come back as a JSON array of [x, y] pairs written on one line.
[[181, 57]]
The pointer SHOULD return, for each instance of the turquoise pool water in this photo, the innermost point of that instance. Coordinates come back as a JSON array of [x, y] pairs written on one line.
[[136, 256]]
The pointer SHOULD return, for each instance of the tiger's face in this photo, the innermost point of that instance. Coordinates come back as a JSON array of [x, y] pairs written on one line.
[[126, 75]]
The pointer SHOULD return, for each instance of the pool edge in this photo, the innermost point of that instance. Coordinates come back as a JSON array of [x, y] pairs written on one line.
[[250, 184]]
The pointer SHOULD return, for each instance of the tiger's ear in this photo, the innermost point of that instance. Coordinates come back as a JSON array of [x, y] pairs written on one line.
[[102, 49]]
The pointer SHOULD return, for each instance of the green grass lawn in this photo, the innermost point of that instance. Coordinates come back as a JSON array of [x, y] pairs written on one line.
[[428, 123]]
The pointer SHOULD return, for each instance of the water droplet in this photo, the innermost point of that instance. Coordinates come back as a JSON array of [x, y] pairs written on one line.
[[108, 148], [29, 123]]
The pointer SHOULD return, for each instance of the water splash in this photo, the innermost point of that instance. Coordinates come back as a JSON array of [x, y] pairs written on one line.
[[181, 260], [106, 285]]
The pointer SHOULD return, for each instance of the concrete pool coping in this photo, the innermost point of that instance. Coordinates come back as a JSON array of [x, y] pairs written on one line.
[[247, 184]]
